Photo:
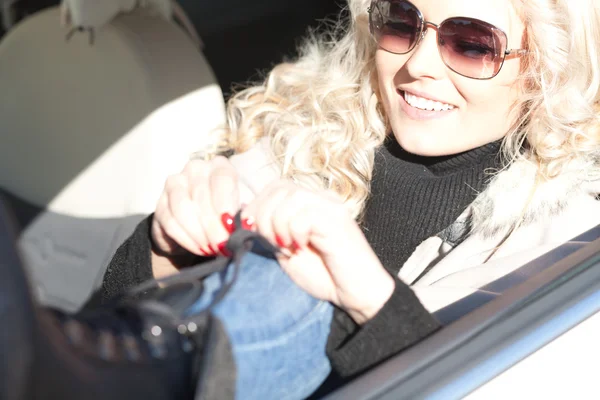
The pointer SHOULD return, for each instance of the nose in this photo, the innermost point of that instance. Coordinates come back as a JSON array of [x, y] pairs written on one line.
[[425, 60]]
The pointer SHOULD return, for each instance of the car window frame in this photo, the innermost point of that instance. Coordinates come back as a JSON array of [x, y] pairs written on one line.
[[488, 340]]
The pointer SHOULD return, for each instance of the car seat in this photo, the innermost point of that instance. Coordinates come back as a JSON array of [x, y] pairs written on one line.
[[89, 135]]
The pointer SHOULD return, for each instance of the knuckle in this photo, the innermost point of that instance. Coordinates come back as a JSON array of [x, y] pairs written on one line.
[[215, 231], [279, 221], [224, 177], [179, 210], [220, 161], [222, 166], [198, 193], [294, 228], [170, 182], [275, 185], [176, 203], [175, 182], [298, 227], [170, 229], [161, 204], [300, 196], [332, 196], [195, 167], [156, 232], [160, 215]]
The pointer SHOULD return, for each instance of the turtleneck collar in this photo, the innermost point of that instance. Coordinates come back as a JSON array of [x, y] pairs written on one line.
[[443, 165], [413, 197]]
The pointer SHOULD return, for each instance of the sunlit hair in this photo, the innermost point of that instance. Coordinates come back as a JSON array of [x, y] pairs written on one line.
[[323, 120], [319, 112], [559, 107]]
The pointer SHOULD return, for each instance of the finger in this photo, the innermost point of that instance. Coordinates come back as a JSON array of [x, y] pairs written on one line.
[[187, 214], [199, 178], [224, 187], [159, 237], [263, 216], [302, 222], [168, 246], [225, 199], [262, 208], [169, 225], [289, 207], [323, 225], [197, 173]]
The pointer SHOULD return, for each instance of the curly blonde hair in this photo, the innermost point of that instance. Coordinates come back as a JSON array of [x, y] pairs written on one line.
[[560, 87], [323, 120]]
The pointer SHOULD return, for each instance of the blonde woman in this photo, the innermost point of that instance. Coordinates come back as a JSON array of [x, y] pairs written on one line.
[[425, 151]]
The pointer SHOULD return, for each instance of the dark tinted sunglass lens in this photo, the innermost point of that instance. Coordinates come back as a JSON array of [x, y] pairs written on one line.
[[396, 25], [471, 47]]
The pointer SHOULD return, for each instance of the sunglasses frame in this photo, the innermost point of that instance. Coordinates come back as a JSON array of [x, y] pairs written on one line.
[[423, 31]]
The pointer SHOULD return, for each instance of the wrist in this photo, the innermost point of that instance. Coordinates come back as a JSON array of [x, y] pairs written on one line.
[[373, 300], [164, 264]]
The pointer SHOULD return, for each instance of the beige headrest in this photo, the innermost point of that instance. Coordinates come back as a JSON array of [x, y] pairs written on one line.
[[93, 131]]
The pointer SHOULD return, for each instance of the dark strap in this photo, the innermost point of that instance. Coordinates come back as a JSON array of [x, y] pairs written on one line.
[[208, 336], [154, 292]]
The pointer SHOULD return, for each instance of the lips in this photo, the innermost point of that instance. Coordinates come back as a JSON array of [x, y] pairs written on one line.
[[423, 108], [426, 104]]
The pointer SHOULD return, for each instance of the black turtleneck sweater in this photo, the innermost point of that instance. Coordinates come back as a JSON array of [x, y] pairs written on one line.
[[412, 198]]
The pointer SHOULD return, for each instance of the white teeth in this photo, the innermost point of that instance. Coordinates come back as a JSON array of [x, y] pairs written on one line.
[[425, 104]]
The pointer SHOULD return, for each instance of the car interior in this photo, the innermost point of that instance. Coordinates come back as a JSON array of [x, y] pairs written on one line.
[[129, 109], [91, 131]]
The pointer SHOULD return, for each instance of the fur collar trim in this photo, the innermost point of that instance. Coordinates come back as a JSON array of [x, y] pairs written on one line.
[[513, 197]]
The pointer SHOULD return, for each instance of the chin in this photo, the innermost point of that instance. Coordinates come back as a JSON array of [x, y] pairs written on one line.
[[424, 144]]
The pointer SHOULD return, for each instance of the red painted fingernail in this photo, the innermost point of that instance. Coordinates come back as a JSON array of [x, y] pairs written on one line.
[[227, 221], [248, 223], [280, 241], [223, 249], [207, 252], [295, 246]]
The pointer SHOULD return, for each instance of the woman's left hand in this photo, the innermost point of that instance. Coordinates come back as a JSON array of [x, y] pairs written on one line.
[[330, 257]]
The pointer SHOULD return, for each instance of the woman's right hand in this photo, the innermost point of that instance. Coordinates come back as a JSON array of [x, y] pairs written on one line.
[[195, 211]]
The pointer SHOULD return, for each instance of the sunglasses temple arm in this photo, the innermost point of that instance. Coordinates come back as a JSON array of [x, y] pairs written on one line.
[[519, 52]]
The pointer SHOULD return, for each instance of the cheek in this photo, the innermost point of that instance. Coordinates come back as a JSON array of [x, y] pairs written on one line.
[[495, 101], [388, 67], [490, 113], [382, 69]]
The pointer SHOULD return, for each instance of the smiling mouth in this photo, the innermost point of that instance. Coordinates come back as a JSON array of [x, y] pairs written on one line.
[[421, 103]]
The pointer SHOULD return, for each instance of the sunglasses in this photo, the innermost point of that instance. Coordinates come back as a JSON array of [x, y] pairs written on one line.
[[468, 46]]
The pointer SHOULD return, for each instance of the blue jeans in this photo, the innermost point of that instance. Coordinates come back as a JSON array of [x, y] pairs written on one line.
[[277, 331]]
